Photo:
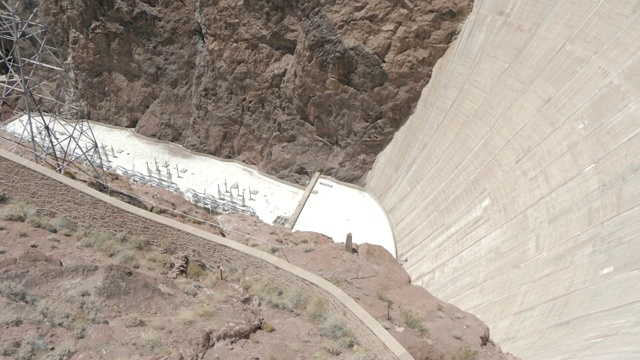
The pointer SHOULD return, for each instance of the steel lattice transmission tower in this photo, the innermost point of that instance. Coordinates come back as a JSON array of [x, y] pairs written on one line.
[[36, 90]]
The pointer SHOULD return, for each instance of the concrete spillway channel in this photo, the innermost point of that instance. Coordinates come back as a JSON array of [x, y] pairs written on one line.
[[331, 208], [513, 189]]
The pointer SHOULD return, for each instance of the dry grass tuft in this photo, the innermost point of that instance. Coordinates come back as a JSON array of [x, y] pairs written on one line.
[[465, 353], [414, 321], [267, 326], [17, 212], [133, 320]]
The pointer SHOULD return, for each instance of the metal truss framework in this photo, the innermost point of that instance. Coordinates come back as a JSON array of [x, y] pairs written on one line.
[[36, 90]]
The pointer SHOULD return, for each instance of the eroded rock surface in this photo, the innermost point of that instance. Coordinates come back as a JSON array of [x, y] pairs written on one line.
[[290, 86]]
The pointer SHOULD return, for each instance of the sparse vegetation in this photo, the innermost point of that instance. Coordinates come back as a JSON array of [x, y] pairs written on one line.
[[169, 246], [162, 261], [297, 300], [128, 257], [166, 290], [195, 270], [12, 291], [140, 243], [133, 320], [64, 225], [17, 212], [40, 223], [8, 348], [336, 328], [79, 332], [63, 351], [267, 326], [93, 310], [191, 291], [465, 353], [78, 314], [12, 320], [56, 315], [331, 347], [190, 315], [384, 297], [414, 321], [274, 249]]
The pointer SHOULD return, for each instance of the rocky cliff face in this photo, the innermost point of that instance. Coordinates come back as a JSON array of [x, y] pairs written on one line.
[[290, 86]]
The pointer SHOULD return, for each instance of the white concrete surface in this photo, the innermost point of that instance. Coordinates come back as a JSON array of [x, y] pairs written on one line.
[[195, 171], [336, 209], [514, 190]]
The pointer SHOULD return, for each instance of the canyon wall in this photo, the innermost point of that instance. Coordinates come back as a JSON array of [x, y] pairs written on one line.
[[513, 188], [292, 87]]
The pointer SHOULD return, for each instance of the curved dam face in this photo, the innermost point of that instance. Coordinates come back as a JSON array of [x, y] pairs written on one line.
[[514, 190]]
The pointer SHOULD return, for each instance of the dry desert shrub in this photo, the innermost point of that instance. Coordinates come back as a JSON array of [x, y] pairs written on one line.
[[9, 347], [127, 257], [40, 223], [64, 225], [191, 290], [11, 320], [133, 320], [12, 291], [140, 243], [295, 299], [157, 260], [30, 346], [56, 315], [62, 351], [17, 212], [267, 326], [336, 328], [465, 353], [331, 347], [191, 315], [108, 244], [414, 321], [195, 270]]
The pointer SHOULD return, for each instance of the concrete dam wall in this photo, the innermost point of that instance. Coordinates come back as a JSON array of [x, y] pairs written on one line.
[[514, 190]]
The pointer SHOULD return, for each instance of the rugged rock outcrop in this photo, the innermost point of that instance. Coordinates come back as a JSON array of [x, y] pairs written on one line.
[[289, 86]]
